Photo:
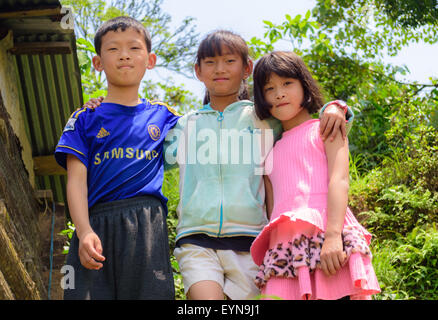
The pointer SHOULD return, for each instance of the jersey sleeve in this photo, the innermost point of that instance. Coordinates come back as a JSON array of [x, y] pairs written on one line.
[[172, 117], [73, 140]]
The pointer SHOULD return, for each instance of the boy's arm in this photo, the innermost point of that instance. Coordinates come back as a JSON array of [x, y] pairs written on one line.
[[332, 254], [90, 248], [333, 117]]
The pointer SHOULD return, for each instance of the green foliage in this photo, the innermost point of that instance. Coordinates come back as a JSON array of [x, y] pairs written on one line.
[[399, 209], [69, 233], [402, 192], [406, 266], [398, 202], [410, 13], [372, 26]]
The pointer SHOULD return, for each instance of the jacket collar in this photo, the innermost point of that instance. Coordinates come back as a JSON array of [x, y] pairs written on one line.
[[241, 103]]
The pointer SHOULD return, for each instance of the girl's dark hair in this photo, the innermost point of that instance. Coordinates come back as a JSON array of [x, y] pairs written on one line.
[[122, 23], [289, 65], [211, 46]]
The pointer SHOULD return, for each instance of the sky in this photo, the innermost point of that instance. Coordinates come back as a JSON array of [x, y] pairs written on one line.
[[245, 17]]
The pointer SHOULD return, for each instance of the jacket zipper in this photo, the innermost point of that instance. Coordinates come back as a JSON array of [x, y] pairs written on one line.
[[220, 118]]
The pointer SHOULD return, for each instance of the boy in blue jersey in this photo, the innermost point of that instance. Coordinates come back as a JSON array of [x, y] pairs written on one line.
[[114, 162]]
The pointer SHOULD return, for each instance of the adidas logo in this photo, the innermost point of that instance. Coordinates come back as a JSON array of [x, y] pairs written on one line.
[[102, 133]]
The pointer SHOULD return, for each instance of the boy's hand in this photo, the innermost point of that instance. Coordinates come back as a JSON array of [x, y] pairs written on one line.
[[332, 255], [332, 121], [90, 251], [93, 102]]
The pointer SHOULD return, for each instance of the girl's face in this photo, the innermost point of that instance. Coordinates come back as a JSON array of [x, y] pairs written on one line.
[[285, 95], [222, 75]]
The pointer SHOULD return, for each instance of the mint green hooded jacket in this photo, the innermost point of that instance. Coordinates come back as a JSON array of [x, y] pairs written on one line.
[[220, 157]]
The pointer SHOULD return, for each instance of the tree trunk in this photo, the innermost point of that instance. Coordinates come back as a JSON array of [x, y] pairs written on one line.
[[15, 272], [5, 291], [20, 263]]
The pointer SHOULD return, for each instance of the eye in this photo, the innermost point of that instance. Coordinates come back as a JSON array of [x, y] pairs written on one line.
[[268, 89], [112, 49], [231, 60]]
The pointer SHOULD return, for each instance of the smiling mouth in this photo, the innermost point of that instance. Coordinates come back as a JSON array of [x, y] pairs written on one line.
[[125, 67], [220, 79]]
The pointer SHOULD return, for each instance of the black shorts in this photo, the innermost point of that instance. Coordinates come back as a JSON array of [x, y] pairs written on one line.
[[135, 245]]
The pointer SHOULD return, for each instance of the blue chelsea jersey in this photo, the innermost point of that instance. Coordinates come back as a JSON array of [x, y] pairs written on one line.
[[122, 148]]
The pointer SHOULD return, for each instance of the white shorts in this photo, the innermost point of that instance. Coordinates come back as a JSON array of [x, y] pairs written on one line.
[[235, 271]]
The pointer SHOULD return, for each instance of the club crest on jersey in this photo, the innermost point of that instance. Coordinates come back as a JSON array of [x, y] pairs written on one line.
[[154, 132]]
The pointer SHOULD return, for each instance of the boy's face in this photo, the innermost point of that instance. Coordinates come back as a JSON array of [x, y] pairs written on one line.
[[124, 57]]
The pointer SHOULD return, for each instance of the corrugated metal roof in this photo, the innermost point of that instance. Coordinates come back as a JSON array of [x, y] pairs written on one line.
[[14, 5], [49, 84]]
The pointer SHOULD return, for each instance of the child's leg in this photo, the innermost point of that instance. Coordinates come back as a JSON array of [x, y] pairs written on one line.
[[240, 272], [142, 264], [201, 271], [205, 290]]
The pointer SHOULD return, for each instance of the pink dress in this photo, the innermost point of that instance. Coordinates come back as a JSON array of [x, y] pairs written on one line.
[[289, 247]]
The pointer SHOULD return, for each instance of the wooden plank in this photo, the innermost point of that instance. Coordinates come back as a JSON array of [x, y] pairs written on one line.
[[58, 47], [47, 166], [30, 13]]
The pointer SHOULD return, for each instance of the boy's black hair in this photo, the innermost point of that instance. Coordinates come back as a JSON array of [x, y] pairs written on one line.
[[122, 23], [289, 65], [211, 46]]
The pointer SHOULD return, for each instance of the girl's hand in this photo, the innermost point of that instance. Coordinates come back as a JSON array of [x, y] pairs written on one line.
[[332, 254], [90, 251], [332, 121], [93, 103]]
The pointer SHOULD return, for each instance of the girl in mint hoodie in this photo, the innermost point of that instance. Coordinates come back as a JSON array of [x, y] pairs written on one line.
[[220, 150]]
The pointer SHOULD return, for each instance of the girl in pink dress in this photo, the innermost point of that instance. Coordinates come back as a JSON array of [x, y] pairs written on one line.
[[313, 246]]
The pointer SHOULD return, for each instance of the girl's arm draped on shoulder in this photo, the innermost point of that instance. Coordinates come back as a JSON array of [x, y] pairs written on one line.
[[333, 120], [90, 247], [269, 196], [332, 254]]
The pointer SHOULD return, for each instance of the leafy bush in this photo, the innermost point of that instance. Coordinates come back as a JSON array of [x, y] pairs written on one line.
[[402, 192], [399, 209], [406, 267]]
